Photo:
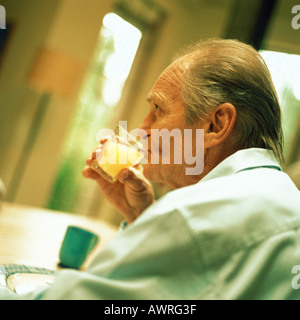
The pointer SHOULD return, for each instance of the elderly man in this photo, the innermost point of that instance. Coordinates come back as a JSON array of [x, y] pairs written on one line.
[[231, 232]]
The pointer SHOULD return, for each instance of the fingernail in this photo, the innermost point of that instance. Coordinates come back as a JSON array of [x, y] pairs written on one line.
[[89, 159], [125, 173]]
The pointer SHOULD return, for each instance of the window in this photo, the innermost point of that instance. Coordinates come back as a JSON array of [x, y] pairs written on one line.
[[102, 89], [285, 71]]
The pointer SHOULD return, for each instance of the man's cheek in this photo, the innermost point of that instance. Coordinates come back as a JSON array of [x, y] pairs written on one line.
[[154, 156], [194, 152]]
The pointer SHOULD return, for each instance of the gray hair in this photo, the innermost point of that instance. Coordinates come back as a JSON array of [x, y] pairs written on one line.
[[230, 71]]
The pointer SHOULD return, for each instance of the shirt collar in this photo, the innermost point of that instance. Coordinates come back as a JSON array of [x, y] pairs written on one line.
[[242, 160]]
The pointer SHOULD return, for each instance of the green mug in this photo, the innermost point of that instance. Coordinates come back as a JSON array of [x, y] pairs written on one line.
[[77, 245]]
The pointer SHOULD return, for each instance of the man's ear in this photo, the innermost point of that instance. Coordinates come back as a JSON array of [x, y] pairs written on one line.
[[220, 125]]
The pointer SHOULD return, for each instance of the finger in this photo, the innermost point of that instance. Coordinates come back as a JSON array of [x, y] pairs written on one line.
[[133, 177], [104, 139], [94, 155], [123, 175], [89, 160], [89, 173]]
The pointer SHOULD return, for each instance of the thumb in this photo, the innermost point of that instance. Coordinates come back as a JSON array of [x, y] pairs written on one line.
[[133, 177]]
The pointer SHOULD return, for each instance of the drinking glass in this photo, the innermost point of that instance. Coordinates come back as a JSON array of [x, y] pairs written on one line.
[[118, 152]]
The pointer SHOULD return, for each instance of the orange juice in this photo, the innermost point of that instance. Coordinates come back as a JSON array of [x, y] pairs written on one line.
[[115, 157]]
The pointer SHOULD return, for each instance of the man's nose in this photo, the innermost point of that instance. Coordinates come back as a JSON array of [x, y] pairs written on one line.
[[146, 124]]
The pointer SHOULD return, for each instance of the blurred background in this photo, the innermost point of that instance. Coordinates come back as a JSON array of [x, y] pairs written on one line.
[[70, 67]]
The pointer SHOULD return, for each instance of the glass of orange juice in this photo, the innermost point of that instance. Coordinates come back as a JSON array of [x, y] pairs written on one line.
[[117, 153]]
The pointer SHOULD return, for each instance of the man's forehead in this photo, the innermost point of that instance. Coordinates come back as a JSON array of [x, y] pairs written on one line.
[[166, 87], [168, 84]]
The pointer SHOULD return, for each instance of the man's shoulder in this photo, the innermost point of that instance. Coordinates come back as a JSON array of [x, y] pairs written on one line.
[[250, 188], [233, 212]]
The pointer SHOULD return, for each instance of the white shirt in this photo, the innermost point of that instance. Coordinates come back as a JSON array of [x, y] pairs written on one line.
[[233, 235]]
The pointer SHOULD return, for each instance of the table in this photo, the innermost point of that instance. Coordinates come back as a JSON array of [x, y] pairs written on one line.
[[33, 236]]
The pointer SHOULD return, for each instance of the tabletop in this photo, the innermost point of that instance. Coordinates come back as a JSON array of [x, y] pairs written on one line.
[[33, 236]]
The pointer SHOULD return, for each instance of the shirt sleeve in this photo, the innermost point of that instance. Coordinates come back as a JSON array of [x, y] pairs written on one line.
[[5, 294]]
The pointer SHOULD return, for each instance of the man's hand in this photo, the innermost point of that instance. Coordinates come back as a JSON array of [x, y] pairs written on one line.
[[131, 194]]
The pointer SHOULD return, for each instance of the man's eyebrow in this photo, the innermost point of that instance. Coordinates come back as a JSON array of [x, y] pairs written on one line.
[[155, 97], [150, 97]]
